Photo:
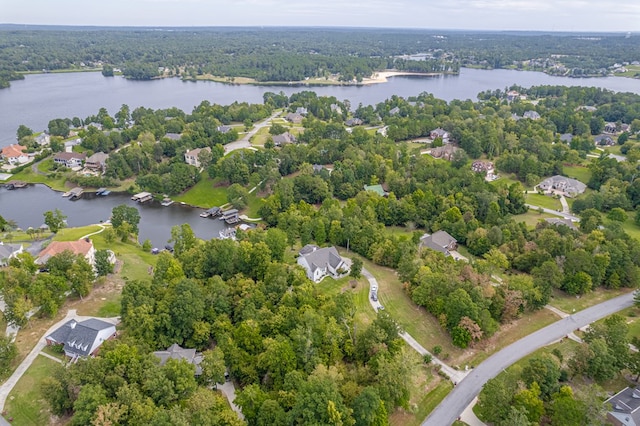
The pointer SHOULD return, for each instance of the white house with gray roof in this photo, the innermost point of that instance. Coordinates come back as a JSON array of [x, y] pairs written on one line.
[[322, 262], [9, 251], [569, 187], [82, 339]]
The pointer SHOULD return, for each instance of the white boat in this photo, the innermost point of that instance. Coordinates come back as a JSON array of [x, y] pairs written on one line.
[[166, 202]]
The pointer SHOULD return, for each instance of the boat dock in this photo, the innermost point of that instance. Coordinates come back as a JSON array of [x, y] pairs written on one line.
[[76, 193], [212, 212], [142, 197], [15, 184], [230, 216], [166, 202]]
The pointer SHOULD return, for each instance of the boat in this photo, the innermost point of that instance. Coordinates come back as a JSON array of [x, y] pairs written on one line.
[[105, 192], [66, 194], [142, 197], [99, 191], [166, 202]]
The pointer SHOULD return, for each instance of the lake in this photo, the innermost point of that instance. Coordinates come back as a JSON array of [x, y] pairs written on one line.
[[42, 97], [27, 205]]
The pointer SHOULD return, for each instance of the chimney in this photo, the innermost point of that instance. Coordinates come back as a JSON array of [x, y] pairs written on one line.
[[73, 324]]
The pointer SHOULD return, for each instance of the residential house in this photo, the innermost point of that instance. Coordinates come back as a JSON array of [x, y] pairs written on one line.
[[284, 138], [567, 186], [444, 152], [191, 157], [177, 352], [43, 139], [68, 145], [224, 129], [9, 251], [353, 122], [14, 154], [604, 140], [322, 262], [625, 127], [587, 108], [531, 115], [566, 138], [97, 161], [335, 108], [439, 133], [558, 221], [317, 168], [83, 247], [394, 111], [512, 95], [610, 128], [439, 241], [480, 166], [173, 136], [69, 159], [624, 408], [301, 111], [294, 118], [383, 131], [82, 339]]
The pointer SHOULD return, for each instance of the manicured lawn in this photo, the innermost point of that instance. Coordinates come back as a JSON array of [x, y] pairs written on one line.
[[136, 262], [73, 234], [25, 403], [543, 201], [254, 205], [204, 194], [46, 165], [364, 312], [261, 137], [27, 175], [630, 226], [568, 303], [580, 173], [532, 217]]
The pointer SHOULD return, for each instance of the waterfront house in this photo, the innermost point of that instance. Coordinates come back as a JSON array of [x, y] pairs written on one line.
[[43, 139], [83, 247], [82, 339], [14, 154], [69, 159], [191, 157], [97, 161]]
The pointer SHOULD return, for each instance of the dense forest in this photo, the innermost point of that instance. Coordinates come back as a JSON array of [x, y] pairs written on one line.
[[288, 54]]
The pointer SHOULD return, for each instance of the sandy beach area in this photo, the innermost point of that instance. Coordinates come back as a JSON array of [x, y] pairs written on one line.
[[382, 76]]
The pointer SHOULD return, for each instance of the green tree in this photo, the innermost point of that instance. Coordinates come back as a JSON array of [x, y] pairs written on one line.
[[123, 213], [8, 352], [543, 370], [183, 239], [80, 277], [55, 220], [103, 265], [213, 367], [238, 196], [356, 267], [89, 399], [529, 400], [23, 131], [496, 397]]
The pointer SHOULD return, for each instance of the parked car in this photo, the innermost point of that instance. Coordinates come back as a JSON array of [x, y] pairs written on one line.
[[374, 297]]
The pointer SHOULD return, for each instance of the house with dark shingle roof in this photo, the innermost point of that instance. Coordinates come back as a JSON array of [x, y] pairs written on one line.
[[97, 161], [223, 129], [566, 138], [624, 408], [82, 339], [284, 138], [294, 118], [177, 352], [604, 140], [322, 262], [439, 241]]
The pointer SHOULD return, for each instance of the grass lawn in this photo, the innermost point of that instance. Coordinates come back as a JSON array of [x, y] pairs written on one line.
[[73, 234], [543, 201], [254, 205], [25, 403], [364, 313], [568, 303], [580, 173], [532, 217], [204, 193], [27, 175], [46, 165], [261, 136], [630, 226]]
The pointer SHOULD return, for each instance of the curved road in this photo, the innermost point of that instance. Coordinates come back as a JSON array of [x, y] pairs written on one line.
[[462, 395]]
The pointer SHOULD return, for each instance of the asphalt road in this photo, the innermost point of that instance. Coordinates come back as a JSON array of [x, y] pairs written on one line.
[[462, 395], [555, 212]]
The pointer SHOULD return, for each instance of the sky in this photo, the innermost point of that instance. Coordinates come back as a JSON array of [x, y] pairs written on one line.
[[528, 15]]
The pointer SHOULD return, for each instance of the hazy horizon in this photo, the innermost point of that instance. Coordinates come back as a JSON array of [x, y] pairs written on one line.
[[464, 15]]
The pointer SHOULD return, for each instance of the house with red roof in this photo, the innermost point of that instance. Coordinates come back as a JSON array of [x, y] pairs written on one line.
[[14, 154]]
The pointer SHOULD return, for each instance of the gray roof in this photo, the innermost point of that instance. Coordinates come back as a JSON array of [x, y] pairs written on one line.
[[98, 157], [78, 337], [561, 221], [438, 241], [173, 136], [175, 351], [566, 137], [626, 407], [224, 129], [283, 138], [533, 115], [563, 183], [7, 250], [309, 248], [322, 257]]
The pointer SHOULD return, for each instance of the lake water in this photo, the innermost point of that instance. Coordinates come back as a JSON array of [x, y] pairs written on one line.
[[27, 205], [41, 97]]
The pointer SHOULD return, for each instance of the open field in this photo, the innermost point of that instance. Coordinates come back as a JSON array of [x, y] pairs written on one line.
[[532, 217], [204, 194], [580, 173], [543, 201], [25, 404]]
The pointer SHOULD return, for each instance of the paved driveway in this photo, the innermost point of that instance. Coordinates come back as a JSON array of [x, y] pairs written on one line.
[[462, 395]]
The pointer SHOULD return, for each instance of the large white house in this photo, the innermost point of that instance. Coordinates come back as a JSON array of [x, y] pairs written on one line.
[[82, 339], [14, 154], [191, 157], [322, 262]]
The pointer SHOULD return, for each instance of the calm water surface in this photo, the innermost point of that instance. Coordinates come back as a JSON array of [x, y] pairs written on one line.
[[42, 97], [27, 205]]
